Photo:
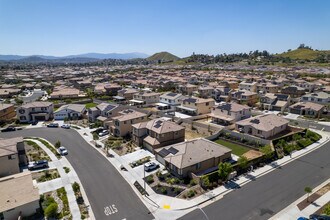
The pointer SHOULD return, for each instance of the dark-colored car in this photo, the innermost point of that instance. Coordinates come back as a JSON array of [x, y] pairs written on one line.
[[38, 164], [319, 217], [34, 123], [53, 125], [10, 128]]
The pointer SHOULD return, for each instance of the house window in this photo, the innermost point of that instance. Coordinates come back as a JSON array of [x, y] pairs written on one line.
[[12, 157], [198, 166], [259, 132], [207, 104]]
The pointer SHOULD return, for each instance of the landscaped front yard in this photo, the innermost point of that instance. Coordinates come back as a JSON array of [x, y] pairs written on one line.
[[34, 152], [45, 175], [236, 148]]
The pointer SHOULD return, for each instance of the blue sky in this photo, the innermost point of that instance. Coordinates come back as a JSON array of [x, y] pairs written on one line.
[[65, 27]]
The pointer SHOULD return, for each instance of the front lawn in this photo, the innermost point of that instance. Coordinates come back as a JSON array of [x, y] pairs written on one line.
[[236, 149]]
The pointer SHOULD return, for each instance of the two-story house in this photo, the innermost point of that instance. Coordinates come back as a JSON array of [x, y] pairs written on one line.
[[322, 98], [145, 98], [275, 102], [157, 133], [229, 113], [307, 108], [122, 124], [35, 111], [293, 91], [12, 155], [70, 111], [221, 93], [187, 89], [169, 100], [195, 106], [267, 88], [244, 97], [103, 109], [7, 112], [249, 86], [205, 91]]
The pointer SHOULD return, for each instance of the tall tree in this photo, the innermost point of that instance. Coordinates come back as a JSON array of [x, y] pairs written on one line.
[[224, 170]]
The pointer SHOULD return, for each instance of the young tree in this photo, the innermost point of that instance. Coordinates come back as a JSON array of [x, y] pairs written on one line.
[[267, 151], [58, 144], [308, 190], [51, 210], [224, 170], [95, 137], [243, 162]]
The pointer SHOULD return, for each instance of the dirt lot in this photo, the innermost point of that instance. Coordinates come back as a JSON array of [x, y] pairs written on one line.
[[189, 134], [252, 154]]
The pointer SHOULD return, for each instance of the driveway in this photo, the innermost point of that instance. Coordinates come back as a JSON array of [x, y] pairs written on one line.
[[111, 197]]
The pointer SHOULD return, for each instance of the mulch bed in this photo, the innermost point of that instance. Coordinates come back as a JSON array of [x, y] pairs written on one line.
[[312, 198], [319, 211]]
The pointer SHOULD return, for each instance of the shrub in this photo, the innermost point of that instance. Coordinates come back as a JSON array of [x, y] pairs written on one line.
[[150, 179], [57, 144], [75, 187], [163, 190], [192, 182], [191, 193], [304, 143], [51, 210], [205, 181], [177, 190]]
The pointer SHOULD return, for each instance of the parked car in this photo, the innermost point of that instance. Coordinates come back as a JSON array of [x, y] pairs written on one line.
[[319, 217], [150, 166], [62, 150], [38, 164], [103, 133], [10, 128], [53, 125], [34, 123], [66, 126]]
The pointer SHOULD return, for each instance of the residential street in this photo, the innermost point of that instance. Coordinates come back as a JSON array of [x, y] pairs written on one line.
[[110, 195], [269, 194]]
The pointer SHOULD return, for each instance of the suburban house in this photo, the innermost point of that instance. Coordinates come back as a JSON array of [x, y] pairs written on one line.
[[122, 124], [205, 91], [221, 93], [307, 108], [249, 86], [229, 113], [103, 110], [244, 97], [35, 111], [70, 111], [196, 106], [112, 89], [157, 133], [126, 94], [274, 102], [19, 196], [145, 98], [66, 93], [193, 156], [12, 155], [169, 100], [186, 89], [7, 112], [293, 91], [264, 126], [322, 98], [267, 88]]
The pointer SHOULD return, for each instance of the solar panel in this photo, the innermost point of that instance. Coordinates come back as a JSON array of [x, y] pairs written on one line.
[[172, 94], [164, 152], [255, 121], [173, 150]]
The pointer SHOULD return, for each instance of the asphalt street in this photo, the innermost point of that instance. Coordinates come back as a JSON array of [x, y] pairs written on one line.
[[111, 197], [269, 194], [311, 124]]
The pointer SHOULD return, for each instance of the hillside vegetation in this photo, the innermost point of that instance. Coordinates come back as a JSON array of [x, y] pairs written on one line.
[[305, 54], [163, 57]]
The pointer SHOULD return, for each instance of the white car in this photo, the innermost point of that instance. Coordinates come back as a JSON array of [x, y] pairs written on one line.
[[66, 126], [150, 166], [62, 150], [103, 133]]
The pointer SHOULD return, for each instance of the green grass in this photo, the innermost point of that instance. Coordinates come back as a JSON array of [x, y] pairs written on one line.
[[90, 105], [236, 149], [164, 56], [303, 54]]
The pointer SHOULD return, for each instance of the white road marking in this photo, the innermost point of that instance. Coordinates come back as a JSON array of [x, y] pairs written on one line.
[[109, 210]]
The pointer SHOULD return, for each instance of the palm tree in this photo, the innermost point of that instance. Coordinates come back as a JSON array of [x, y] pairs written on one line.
[[308, 190]]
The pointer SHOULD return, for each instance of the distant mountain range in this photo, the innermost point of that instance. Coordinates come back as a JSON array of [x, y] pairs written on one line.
[[86, 56]]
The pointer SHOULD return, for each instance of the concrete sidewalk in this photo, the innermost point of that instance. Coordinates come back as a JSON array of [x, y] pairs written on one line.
[[65, 181], [293, 212], [165, 207]]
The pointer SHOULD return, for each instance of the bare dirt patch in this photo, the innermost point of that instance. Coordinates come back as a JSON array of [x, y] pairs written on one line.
[[252, 154]]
